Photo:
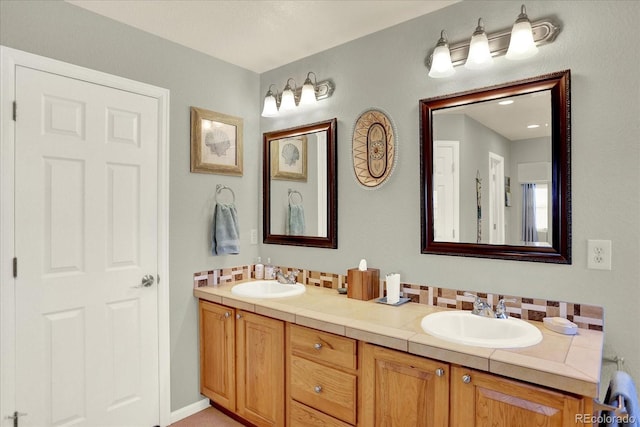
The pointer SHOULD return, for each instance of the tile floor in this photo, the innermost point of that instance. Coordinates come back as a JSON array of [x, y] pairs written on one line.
[[210, 417]]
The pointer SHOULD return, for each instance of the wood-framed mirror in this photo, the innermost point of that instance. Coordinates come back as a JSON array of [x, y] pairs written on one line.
[[300, 186], [496, 171]]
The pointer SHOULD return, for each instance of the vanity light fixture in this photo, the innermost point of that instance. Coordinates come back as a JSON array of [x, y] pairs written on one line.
[[270, 108], [479, 52], [288, 101], [521, 45], [308, 93], [294, 97], [519, 42], [441, 65]]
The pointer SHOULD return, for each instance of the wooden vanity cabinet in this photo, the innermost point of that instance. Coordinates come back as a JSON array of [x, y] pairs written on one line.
[[482, 399], [217, 354], [401, 389], [242, 363], [322, 372], [326, 380]]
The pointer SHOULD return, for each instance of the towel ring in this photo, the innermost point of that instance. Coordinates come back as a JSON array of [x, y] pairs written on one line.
[[293, 193], [221, 187]]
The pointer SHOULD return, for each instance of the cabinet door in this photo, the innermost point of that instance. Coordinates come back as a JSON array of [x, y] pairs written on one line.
[[217, 354], [481, 399], [260, 375], [403, 390]]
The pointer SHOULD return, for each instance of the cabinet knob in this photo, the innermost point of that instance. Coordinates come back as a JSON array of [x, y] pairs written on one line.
[[317, 346], [466, 379], [238, 316], [227, 314], [439, 372], [317, 388]]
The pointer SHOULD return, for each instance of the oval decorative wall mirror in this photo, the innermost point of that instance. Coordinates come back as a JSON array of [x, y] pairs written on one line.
[[495, 171]]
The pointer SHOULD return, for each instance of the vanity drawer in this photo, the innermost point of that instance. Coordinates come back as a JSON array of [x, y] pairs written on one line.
[[328, 390], [303, 416], [323, 347]]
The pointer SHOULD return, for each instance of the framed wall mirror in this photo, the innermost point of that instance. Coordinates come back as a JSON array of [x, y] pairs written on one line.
[[300, 187], [496, 169]]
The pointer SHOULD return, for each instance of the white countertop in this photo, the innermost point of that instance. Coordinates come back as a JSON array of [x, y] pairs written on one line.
[[567, 363]]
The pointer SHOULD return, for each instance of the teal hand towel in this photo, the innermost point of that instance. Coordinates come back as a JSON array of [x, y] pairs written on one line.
[[225, 237], [295, 223]]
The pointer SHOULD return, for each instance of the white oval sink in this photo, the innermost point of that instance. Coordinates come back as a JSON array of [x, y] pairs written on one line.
[[267, 289], [463, 327]]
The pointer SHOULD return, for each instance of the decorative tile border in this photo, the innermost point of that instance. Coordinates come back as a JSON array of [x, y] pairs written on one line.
[[535, 309]]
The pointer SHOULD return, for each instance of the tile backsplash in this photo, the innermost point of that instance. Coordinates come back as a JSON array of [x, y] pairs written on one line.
[[585, 316]]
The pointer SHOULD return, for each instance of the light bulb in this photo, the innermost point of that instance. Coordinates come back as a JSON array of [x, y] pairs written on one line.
[[308, 94], [479, 53], [288, 101], [522, 45], [270, 108], [441, 65]]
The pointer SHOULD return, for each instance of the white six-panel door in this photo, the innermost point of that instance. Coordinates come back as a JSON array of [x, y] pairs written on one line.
[[446, 189], [86, 226]]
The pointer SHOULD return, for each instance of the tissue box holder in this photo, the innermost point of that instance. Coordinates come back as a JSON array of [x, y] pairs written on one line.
[[363, 285]]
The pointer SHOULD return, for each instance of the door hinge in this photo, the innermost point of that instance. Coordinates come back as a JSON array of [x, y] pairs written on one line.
[[15, 110], [15, 417], [15, 267]]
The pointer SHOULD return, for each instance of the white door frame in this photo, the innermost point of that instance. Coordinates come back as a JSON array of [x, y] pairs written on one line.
[[9, 60], [496, 199]]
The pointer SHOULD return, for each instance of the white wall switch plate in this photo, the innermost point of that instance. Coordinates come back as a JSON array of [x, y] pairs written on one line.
[[254, 236], [599, 254]]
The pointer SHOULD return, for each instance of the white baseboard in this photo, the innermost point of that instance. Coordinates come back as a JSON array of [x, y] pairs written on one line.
[[189, 410]]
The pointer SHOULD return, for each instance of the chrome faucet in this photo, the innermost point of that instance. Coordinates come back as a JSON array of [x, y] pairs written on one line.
[[483, 308], [289, 278], [501, 309]]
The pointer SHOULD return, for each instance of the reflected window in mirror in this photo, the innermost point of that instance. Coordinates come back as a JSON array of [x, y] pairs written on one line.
[[496, 171], [300, 185]]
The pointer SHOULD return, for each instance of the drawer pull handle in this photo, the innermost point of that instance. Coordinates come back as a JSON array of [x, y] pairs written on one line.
[[227, 314], [238, 316], [317, 346], [466, 379], [439, 372], [317, 388]]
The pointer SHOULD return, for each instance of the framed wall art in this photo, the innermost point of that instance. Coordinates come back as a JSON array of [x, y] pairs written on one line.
[[216, 142], [289, 158], [374, 148]]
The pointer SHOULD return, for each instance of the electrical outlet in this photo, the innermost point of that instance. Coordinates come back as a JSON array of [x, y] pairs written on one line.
[[599, 254], [254, 236]]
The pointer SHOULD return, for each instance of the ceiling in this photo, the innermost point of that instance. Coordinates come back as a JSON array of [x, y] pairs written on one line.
[[513, 121], [261, 35]]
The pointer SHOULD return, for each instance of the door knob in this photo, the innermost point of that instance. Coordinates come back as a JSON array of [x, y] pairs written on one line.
[[466, 379], [439, 372], [147, 280]]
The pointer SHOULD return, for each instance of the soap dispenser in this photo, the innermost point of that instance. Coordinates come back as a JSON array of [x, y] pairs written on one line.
[[269, 272], [259, 269]]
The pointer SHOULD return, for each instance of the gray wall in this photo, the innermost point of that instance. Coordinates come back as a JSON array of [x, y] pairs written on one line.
[[68, 33], [386, 70]]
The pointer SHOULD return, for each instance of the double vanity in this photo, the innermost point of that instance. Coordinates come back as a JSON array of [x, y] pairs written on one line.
[[321, 359]]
